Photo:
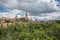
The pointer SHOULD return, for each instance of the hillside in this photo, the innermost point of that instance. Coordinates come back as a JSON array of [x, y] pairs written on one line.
[[31, 31]]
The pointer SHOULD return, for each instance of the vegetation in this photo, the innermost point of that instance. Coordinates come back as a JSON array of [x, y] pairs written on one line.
[[31, 31]]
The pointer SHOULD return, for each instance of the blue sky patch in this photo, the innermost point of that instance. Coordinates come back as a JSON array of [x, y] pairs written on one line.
[[58, 0], [2, 9]]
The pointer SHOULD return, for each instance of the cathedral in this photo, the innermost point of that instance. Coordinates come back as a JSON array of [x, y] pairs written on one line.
[[26, 17], [4, 21]]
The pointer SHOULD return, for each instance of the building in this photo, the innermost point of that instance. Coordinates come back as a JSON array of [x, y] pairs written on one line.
[[26, 18]]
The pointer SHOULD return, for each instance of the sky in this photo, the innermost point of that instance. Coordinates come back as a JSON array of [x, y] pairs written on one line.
[[38, 9]]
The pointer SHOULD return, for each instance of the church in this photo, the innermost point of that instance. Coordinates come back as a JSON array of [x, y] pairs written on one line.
[[26, 17]]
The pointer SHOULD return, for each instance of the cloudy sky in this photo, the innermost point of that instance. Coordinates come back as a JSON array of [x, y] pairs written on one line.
[[38, 9]]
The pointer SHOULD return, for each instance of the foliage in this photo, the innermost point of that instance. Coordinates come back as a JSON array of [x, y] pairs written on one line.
[[31, 31]]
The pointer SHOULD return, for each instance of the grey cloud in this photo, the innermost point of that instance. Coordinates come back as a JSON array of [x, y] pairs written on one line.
[[29, 1], [35, 7]]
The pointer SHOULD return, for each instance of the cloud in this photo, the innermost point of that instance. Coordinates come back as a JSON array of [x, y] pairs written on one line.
[[11, 13], [16, 11], [40, 9], [48, 16], [6, 14], [20, 13], [35, 7]]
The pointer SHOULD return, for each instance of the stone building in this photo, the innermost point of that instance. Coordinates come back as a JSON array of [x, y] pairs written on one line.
[[26, 18]]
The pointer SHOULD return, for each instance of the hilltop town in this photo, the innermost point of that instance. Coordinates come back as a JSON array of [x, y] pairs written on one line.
[[4, 21]]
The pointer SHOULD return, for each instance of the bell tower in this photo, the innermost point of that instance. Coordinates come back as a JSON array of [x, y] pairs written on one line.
[[26, 15], [16, 17]]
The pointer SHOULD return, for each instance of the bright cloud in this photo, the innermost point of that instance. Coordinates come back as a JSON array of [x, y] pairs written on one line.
[[11, 13], [7, 15], [32, 6]]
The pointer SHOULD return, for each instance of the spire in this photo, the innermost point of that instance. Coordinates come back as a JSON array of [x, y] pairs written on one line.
[[26, 15], [16, 16]]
